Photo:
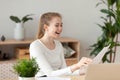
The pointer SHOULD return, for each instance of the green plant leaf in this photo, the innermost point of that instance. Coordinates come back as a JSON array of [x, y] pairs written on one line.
[[111, 2], [26, 18], [108, 12], [15, 19], [26, 68]]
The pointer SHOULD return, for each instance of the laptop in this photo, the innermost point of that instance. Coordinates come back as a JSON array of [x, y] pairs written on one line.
[[106, 71]]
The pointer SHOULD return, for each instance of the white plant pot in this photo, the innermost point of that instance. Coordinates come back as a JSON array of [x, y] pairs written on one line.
[[19, 32], [26, 78]]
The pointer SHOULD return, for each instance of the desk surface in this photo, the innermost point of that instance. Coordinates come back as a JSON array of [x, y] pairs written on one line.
[[72, 78], [77, 77]]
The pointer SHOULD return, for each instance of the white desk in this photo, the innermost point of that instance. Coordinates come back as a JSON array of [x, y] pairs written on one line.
[[76, 77], [72, 78]]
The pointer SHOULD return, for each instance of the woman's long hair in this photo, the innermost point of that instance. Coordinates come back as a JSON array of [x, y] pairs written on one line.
[[44, 20]]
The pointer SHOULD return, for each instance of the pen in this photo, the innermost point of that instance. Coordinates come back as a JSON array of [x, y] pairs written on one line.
[[42, 76]]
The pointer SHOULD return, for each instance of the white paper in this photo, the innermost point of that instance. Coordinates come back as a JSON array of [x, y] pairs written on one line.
[[96, 60], [53, 78], [100, 55]]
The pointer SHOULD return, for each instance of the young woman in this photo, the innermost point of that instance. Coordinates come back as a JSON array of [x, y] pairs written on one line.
[[49, 52]]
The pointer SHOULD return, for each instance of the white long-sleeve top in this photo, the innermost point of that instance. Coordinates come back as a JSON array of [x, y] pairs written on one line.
[[51, 62]]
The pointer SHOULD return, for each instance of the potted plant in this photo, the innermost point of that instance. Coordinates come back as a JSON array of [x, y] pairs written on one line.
[[19, 33], [23, 20], [110, 30], [26, 69]]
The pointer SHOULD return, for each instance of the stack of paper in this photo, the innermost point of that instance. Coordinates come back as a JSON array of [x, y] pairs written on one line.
[[53, 78]]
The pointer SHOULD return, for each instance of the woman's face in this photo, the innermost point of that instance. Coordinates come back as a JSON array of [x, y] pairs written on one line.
[[55, 27]]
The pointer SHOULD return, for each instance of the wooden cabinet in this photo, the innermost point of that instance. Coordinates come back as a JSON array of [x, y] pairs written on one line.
[[13, 44], [23, 53], [75, 45]]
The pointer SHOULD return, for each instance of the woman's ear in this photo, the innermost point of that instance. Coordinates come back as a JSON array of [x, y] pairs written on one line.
[[45, 27]]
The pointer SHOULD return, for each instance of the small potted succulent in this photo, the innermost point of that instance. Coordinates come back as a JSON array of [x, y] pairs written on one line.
[[26, 69], [19, 31]]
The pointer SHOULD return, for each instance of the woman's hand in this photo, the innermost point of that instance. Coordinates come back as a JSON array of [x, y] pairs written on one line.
[[84, 62]]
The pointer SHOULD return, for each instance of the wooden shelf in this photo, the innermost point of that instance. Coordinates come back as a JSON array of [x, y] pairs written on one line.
[[11, 42], [73, 43]]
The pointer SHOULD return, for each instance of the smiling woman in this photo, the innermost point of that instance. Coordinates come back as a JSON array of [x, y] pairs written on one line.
[[49, 52]]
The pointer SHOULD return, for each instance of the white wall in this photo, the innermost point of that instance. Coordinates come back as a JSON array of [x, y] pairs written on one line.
[[79, 18]]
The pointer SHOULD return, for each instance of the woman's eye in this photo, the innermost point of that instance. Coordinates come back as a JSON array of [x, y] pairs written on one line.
[[56, 25], [61, 25]]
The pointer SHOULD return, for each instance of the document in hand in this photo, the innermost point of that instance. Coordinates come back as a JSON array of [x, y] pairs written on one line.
[[96, 60], [100, 55]]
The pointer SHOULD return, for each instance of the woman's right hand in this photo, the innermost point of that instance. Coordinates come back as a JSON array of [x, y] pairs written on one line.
[[84, 62]]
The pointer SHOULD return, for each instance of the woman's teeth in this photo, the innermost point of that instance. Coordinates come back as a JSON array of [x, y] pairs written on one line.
[[57, 33]]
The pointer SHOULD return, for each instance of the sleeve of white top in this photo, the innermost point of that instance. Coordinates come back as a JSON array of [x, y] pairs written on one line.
[[64, 65], [77, 72], [36, 52], [63, 59]]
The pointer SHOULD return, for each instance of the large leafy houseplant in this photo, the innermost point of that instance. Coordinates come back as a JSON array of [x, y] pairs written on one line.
[[26, 68], [110, 30]]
